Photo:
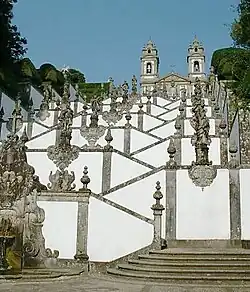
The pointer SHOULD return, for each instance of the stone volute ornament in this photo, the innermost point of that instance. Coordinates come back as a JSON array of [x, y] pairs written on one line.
[[201, 172]]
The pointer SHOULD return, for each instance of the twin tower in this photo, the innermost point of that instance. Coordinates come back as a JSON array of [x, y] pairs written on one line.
[[150, 64]]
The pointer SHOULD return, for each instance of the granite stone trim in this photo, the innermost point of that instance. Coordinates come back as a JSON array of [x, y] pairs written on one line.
[[149, 146], [170, 204], [122, 208], [133, 180], [168, 111], [82, 231], [147, 133], [155, 117], [159, 126], [73, 196], [134, 159], [106, 170], [235, 208], [127, 140], [41, 124]]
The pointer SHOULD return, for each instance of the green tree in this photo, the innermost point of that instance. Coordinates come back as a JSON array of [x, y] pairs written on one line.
[[240, 31], [12, 48], [76, 77], [11, 43]]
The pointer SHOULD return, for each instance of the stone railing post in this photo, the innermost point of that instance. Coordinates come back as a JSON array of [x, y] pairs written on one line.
[[177, 139], [106, 166], [84, 115], [148, 106], [56, 120], [31, 114], [234, 194], [171, 170], [82, 220], [157, 209], [223, 143], [127, 134], [140, 116]]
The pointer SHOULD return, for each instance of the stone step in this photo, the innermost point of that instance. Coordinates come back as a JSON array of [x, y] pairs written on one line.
[[208, 252], [182, 271], [238, 279], [192, 265], [194, 258]]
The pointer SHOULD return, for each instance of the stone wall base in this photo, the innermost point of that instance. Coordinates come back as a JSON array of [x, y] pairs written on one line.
[[73, 264]]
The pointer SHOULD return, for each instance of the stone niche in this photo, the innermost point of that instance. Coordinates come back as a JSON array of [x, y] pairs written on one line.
[[21, 240]]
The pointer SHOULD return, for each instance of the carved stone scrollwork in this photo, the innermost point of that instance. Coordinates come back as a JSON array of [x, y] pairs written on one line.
[[202, 175], [93, 132], [201, 172], [61, 181]]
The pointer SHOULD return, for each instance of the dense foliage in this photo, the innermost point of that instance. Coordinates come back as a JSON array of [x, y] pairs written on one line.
[[12, 47], [91, 90], [234, 63]]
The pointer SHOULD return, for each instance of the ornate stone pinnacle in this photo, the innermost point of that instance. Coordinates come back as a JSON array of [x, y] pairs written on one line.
[[171, 151], [61, 181], [177, 124], [181, 108], [85, 180], [108, 139], [157, 196], [202, 173]]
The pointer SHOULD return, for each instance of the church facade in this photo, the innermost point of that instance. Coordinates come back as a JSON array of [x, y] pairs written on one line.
[[173, 84]]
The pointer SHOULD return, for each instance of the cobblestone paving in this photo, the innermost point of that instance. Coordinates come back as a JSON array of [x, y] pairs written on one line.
[[97, 283]]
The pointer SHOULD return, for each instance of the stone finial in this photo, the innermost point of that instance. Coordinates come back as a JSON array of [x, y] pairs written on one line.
[[233, 149], [85, 180], [140, 105], [128, 118], [171, 151], [109, 138], [125, 88], [158, 194]]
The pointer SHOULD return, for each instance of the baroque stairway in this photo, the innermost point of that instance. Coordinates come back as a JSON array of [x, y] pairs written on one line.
[[229, 265]]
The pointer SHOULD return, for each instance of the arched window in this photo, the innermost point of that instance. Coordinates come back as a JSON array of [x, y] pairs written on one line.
[[196, 66], [149, 51], [195, 49], [149, 68]]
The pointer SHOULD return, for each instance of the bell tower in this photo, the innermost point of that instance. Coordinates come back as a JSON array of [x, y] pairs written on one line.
[[196, 60], [149, 66]]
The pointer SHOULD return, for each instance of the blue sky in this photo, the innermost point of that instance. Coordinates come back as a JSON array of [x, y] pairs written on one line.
[[104, 38]]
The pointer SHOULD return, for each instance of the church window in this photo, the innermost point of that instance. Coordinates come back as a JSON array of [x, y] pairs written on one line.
[[149, 68], [195, 49], [196, 66], [149, 51]]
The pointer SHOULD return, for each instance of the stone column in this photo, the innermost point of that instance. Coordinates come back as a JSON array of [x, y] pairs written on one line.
[[157, 208], [223, 144], [140, 117], [127, 134], [148, 106], [31, 114], [177, 138], [82, 220], [171, 169], [106, 164], [234, 194], [55, 121]]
